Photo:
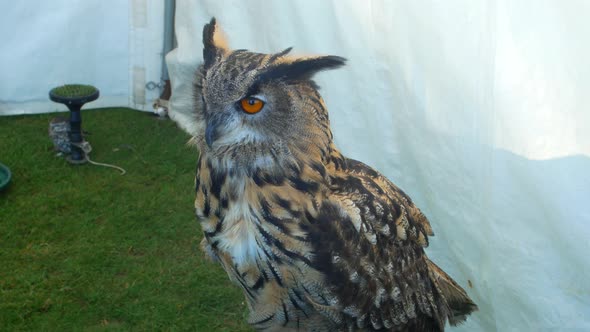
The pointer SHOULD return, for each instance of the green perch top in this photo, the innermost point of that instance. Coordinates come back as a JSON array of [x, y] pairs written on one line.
[[74, 90]]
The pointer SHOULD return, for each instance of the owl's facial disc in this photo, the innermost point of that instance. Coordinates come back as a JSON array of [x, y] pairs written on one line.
[[236, 123]]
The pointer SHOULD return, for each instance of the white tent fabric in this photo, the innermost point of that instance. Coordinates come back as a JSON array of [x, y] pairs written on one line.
[[477, 109], [113, 45]]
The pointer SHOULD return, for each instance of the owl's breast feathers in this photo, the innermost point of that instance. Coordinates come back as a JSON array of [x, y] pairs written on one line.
[[325, 246]]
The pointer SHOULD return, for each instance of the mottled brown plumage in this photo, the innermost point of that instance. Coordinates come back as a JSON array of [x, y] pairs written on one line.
[[317, 241]]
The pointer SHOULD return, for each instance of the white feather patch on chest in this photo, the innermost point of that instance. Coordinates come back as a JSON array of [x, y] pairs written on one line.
[[238, 235]]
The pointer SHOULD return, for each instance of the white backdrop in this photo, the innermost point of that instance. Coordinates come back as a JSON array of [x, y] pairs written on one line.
[[477, 109], [113, 45]]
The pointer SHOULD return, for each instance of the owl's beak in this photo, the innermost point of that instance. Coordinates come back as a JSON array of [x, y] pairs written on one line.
[[211, 131]]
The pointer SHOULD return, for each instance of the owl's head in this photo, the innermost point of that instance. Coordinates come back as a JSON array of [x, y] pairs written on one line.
[[258, 108]]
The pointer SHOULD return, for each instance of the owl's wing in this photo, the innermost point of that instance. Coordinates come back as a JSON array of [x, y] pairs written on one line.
[[369, 239], [382, 202]]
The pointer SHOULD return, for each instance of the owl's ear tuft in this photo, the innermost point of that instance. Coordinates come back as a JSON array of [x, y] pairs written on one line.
[[214, 43], [300, 69]]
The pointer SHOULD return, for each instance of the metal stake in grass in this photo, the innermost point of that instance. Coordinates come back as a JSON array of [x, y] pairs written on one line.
[[74, 96]]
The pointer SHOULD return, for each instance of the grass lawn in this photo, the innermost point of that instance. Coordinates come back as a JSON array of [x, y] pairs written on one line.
[[83, 248]]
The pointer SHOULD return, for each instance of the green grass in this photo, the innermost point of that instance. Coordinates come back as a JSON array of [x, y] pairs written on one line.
[[83, 248], [74, 90]]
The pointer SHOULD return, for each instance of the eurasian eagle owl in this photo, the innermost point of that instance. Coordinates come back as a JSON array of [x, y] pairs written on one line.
[[316, 241]]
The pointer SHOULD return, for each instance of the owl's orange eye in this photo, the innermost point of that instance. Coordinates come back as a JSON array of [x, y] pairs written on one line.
[[251, 105]]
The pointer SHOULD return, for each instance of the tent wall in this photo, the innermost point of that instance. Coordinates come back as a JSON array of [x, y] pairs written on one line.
[[477, 109], [113, 45]]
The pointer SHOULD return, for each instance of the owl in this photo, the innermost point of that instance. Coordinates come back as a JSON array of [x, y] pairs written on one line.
[[315, 240]]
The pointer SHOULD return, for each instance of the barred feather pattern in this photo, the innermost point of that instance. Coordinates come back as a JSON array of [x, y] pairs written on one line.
[[316, 241]]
